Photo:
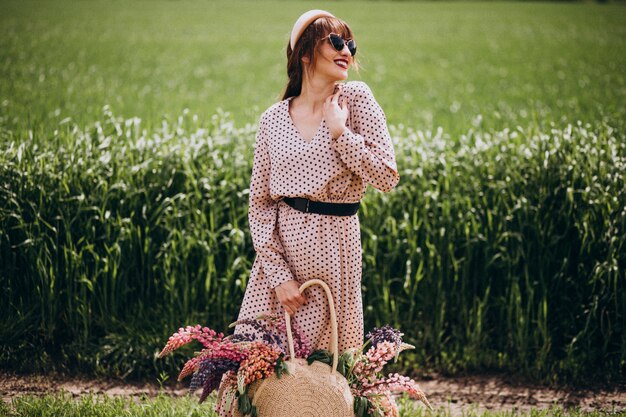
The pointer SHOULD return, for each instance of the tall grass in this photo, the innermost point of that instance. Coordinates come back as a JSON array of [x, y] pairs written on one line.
[[115, 229], [497, 250], [512, 250]]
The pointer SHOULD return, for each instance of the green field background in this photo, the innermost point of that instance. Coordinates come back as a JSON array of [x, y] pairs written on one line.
[[126, 133], [429, 64]]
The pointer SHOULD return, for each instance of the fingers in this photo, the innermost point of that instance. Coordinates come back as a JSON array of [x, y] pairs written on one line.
[[301, 300], [293, 302], [335, 96], [289, 309], [332, 98]]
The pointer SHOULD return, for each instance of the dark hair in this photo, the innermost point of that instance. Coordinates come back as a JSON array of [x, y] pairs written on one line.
[[307, 45]]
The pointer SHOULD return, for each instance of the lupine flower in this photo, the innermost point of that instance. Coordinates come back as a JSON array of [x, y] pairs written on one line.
[[368, 365], [234, 362], [242, 337], [210, 373], [265, 333], [224, 350], [205, 369], [388, 334], [259, 364], [385, 333], [204, 335], [190, 367], [226, 392], [384, 405], [301, 345], [397, 383]]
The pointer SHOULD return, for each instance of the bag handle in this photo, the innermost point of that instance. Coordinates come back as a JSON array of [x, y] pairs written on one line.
[[333, 323]]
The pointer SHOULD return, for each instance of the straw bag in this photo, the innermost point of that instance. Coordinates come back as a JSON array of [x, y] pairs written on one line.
[[316, 390]]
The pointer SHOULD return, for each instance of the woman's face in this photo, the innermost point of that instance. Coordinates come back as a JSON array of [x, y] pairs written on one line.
[[331, 64]]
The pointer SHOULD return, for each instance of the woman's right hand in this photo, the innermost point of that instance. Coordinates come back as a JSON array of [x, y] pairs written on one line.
[[289, 295]]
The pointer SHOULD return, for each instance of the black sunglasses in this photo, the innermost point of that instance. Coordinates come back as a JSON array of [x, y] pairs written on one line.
[[338, 43]]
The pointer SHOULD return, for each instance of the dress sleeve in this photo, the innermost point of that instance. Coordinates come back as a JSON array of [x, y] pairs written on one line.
[[263, 212], [368, 150]]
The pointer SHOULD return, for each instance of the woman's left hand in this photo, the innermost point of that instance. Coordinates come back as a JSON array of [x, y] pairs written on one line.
[[336, 115]]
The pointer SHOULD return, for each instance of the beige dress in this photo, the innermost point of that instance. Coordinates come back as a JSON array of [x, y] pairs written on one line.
[[291, 244]]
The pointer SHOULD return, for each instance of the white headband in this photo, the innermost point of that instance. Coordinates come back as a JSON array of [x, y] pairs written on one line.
[[303, 21]]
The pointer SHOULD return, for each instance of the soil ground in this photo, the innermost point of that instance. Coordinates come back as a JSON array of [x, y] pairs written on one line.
[[459, 394]]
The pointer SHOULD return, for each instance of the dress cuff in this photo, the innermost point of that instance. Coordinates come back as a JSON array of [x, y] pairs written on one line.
[[280, 277], [347, 141]]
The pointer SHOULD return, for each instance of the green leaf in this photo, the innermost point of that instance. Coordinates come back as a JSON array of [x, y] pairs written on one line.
[[360, 406], [281, 368], [345, 363], [321, 355], [243, 403], [240, 385]]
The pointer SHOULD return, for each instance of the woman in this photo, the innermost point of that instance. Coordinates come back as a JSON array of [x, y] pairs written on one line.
[[315, 153]]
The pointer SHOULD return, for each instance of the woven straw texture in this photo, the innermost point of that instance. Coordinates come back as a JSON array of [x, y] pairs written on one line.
[[316, 390], [309, 390]]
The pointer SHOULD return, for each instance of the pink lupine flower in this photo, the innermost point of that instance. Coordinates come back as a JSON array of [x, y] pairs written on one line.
[[204, 335], [381, 353], [397, 383], [389, 405], [384, 404], [373, 361], [190, 367]]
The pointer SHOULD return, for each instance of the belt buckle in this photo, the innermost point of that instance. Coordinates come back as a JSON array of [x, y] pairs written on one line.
[[298, 204]]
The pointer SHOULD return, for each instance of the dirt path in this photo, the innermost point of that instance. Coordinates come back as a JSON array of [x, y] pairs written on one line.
[[495, 393], [459, 394]]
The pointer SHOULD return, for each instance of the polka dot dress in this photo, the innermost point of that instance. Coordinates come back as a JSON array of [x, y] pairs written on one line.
[[291, 244]]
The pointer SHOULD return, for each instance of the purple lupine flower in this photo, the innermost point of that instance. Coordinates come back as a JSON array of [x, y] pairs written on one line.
[[385, 333], [213, 381], [242, 337], [388, 334], [225, 350], [267, 335], [301, 345], [210, 373]]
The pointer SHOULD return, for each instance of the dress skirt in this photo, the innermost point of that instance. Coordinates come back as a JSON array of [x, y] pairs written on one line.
[[316, 246]]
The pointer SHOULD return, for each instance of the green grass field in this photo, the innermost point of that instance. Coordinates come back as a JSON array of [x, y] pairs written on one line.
[[429, 64], [163, 406], [123, 215]]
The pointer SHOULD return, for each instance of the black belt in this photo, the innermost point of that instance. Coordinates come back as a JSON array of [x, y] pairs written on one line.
[[320, 207]]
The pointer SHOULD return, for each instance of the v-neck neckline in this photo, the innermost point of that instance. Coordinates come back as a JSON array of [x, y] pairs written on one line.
[[295, 128]]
